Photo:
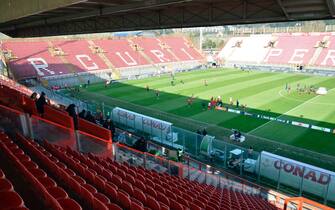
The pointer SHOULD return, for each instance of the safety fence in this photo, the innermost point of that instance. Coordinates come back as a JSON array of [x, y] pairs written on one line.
[[237, 157], [226, 154], [230, 156], [42, 129]]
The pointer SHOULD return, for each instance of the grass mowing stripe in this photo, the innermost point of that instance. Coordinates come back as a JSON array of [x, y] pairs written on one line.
[[182, 109], [236, 121], [158, 82], [132, 83], [238, 86], [181, 75], [291, 110], [199, 87], [248, 91], [268, 98], [161, 83], [252, 90], [311, 111], [163, 87]]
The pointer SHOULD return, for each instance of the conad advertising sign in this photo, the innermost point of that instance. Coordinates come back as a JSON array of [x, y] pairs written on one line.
[[153, 126], [296, 174]]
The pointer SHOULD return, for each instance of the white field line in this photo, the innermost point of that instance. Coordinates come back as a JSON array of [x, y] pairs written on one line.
[[298, 100], [294, 108]]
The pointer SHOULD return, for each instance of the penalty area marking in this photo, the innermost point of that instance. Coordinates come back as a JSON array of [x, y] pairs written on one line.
[[299, 100], [294, 108]]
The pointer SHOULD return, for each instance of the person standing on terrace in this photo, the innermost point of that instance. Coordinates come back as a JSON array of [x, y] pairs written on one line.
[[71, 110], [41, 101]]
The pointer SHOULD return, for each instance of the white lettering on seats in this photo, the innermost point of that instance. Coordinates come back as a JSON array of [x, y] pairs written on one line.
[[298, 53], [331, 56], [40, 64], [82, 58], [160, 55], [132, 61], [182, 49], [273, 53]]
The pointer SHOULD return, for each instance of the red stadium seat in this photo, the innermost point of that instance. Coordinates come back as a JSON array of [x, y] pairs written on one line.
[[162, 198], [163, 206], [159, 188], [124, 199], [86, 194], [58, 193], [47, 182], [176, 206], [136, 206], [10, 200], [114, 206], [70, 172], [151, 191], [140, 185], [90, 188], [152, 202], [126, 186], [98, 205], [5, 185], [103, 198], [100, 181], [117, 180], [20, 208], [130, 179], [39, 173], [96, 186], [2, 175], [107, 174], [29, 164], [140, 178], [79, 179], [139, 195], [121, 174], [111, 191], [195, 207], [69, 204]]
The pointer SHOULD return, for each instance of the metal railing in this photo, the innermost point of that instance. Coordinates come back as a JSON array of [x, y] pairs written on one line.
[[41, 129]]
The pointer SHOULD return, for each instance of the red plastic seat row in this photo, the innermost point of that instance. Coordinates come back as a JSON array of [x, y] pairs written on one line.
[[6, 185], [14, 200], [10, 200], [128, 187], [99, 181], [125, 192], [203, 196], [208, 198], [8, 197], [88, 192], [49, 187]]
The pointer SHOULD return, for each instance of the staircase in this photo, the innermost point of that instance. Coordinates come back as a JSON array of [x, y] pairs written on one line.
[[318, 51], [146, 57], [115, 72], [64, 60], [164, 46]]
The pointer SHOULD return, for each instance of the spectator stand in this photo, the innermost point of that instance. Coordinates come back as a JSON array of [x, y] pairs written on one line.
[[24, 124], [193, 170]]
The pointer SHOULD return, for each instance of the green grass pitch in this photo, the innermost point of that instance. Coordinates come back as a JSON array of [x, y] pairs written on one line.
[[262, 92]]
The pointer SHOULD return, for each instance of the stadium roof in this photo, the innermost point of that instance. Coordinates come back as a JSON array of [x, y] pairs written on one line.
[[23, 18]]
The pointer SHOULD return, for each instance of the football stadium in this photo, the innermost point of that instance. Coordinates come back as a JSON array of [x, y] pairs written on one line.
[[167, 105]]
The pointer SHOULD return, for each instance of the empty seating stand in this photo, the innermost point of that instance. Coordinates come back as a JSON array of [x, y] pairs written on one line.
[[101, 183], [287, 49], [54, 197], [55, 58], [67, 179], [9, 199]]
